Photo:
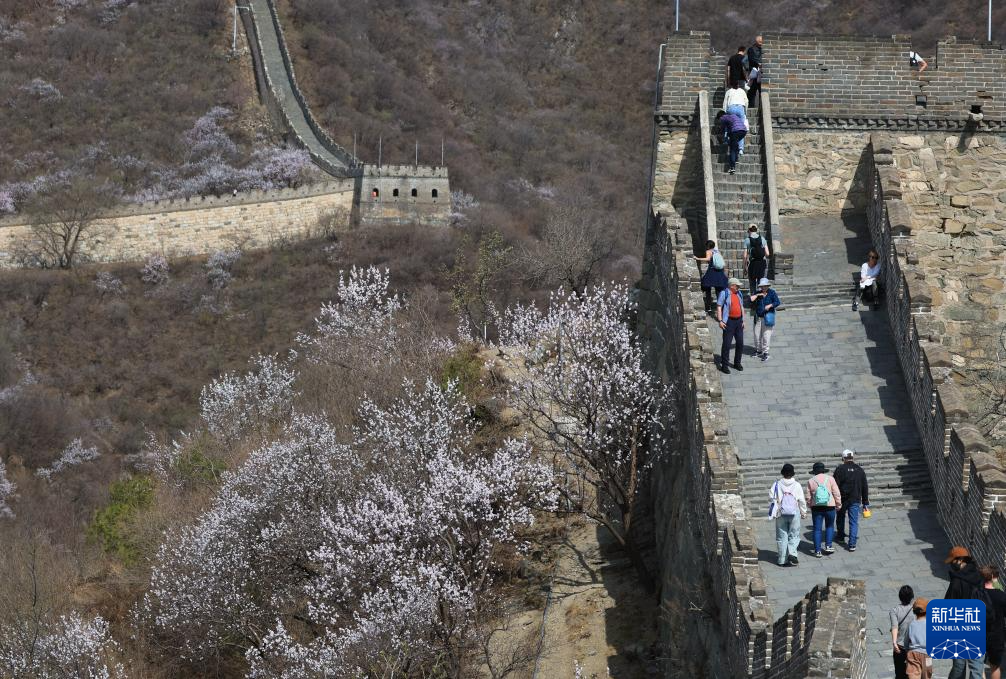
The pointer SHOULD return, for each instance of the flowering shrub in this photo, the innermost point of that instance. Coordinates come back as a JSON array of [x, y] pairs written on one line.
[[7, 489], [156, 270], [234, 404], [73, 454], [218, 267], [107, 284], [42, 90], [70, 647]]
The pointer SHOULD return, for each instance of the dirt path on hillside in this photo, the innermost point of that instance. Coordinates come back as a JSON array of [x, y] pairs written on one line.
[[599, 615]]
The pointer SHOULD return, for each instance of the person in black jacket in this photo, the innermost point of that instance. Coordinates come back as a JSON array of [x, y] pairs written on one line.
[[851, 480], [964, 581]]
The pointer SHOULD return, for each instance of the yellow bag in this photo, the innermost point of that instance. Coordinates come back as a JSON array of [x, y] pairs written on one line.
[[867, 513]]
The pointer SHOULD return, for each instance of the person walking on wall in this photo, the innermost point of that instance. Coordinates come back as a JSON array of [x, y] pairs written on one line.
[[766, 302], [788, 508], [734, 130], [964, 581], [756, 254], [901, 617], [730, 314], [735, 68], [754, 70], [919, 664], [735, 102], [715, 277], [995, 619], [851, 480], [915, 60], [824, 499]]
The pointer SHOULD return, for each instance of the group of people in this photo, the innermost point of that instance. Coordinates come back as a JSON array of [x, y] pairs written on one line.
[[830, 499], [743, 83], [763, 301], [908, 622]]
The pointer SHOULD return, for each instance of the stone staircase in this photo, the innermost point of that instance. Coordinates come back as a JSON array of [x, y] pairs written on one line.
[[896, 479], [818, 295], [740, 197]]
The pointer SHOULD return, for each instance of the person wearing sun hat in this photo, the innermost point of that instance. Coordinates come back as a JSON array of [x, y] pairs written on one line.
[[766, 302], [824, 499], [918, 664], [730, 314]]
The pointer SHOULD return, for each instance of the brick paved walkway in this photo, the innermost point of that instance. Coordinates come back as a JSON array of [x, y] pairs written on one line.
[[833, 382]]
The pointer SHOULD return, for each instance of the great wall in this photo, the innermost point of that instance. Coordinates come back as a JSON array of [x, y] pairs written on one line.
[[851, 148], [355, 192]]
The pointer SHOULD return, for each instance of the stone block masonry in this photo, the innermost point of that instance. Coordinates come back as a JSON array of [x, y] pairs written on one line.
[[705, 542], [821, 172], [175, 228]]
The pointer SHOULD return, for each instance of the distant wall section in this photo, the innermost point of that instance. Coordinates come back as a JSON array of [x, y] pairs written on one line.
[[403, 194], [176, 228]]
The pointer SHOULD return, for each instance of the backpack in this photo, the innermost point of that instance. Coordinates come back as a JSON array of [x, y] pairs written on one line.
[[822, 496], [993, 615], [757, 248], [718, 262], [789, 505]]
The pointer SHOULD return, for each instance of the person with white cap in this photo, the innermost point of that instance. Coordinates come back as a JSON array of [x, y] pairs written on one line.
[[730, 314], [765, 302], [851, 480]]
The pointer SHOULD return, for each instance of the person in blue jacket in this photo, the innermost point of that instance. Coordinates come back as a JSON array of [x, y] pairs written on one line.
[[766, 303], [734, 130]]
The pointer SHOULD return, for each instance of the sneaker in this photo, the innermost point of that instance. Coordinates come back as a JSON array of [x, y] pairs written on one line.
[[764, 357], [818, 555], [740, 153], [725, 370], [852, 548], [855, 306], [829, 550], [794, 560], [737, 366], [732, 171]]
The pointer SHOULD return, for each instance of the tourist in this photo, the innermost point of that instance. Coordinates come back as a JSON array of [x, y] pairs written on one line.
[[919, 664], [754, 86], [715, 277], [824, 499], [851, 480], [734, 130], [901, 618], [754, 53], [869, 280], [915, 60], [766, 302], [964, 580], [788, 508], [730, 314], [995, 616], [735, 102], [735, 68], [756, 254]]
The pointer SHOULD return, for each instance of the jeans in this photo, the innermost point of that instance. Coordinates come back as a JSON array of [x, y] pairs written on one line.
[[763, 335], [854, 510], [734, 331], [735, 140], [823, 519], [977, 667], [742, 112], [787, 535]]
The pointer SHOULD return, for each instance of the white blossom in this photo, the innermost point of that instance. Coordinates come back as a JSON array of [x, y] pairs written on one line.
[[218, 267], [68, 648], [107, 284], [155, 270], [7, 489], [235, 404], [74, 454]]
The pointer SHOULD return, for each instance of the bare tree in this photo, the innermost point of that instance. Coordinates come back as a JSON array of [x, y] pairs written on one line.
[[61, 220], [573, 244], [988, 380]]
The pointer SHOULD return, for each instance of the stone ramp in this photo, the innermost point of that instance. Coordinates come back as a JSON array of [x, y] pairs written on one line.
[[834, 382]]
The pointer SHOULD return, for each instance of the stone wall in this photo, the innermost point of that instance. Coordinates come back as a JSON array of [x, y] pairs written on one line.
[[677, 180], [968, 480], [821, 172], [256, 219], [405, 194], [705, 542]]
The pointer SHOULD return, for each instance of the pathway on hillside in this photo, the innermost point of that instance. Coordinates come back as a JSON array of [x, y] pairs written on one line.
[[833, 382], [283, 85]]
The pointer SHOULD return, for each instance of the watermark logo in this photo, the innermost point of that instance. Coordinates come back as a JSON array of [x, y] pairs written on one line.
[[955, 628]]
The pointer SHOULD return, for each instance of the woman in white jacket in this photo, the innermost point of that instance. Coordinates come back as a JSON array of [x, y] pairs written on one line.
[[788, 508]]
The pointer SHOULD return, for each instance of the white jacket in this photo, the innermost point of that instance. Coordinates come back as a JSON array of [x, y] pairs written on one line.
[[735, 96], [775, 494]]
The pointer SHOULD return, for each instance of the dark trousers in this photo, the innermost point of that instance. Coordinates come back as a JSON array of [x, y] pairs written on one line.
[[708, 292], [734, 331], [735, 147], [753, 94], [756, 271], [901, 665]]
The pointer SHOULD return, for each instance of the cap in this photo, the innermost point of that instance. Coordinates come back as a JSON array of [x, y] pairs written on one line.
[[920, 603], [763, 283], [819, 468], [788, 470], [733, 281], [848, 454], [957, 552], [752, 227]]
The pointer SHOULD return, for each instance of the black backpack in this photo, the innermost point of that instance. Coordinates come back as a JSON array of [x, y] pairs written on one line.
[[993, 614], [757, 248]]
